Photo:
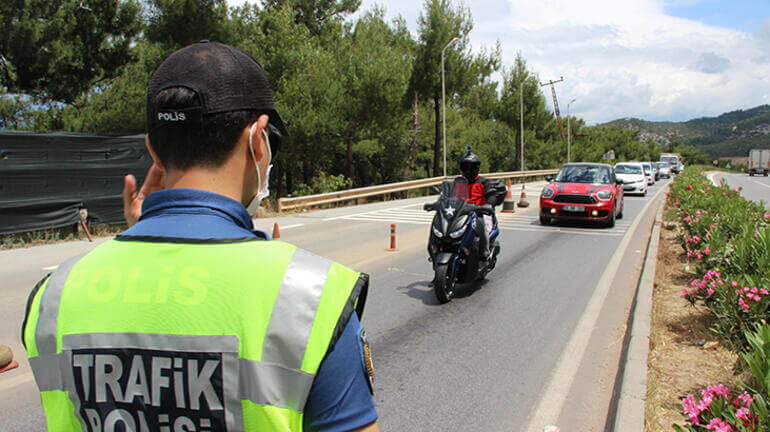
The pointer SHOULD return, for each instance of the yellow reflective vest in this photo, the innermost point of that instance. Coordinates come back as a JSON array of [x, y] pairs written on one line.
[[161, 336]]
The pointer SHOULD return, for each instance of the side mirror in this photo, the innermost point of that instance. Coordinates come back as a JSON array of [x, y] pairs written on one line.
[[435, 190], [549, 178], [619, 181]]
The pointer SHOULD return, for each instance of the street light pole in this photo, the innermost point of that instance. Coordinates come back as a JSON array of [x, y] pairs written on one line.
[[521, 116], [443, 98], [568, 129]]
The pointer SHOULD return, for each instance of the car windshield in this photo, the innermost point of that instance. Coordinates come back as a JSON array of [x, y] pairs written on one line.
[[664, 165], [583, 174], [628, 169], [670, 160]]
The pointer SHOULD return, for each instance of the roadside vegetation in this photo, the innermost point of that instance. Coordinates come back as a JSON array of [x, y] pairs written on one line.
[[724, 267], [361, 95]]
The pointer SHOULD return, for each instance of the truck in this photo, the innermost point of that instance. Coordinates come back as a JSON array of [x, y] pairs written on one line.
[[759, 162], [673, 159]]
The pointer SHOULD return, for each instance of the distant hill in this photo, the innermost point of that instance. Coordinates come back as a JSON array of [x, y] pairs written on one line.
[[730, 134]]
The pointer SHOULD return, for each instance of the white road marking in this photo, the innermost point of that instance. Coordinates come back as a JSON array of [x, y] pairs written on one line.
[[374, 211], [552, 400], [507, 221], [290, 226], [49, 268], [761, 184]]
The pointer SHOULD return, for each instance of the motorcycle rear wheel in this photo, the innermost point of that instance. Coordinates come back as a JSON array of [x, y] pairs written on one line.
[[444, 288]]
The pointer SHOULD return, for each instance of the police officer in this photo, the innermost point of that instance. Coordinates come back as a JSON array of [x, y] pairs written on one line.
[[189, 320]]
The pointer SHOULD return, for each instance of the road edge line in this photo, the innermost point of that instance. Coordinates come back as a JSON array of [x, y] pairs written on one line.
[[632, 380], [551, 402]]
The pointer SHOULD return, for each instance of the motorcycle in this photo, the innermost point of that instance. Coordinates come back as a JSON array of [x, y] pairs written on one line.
[[454, 246]]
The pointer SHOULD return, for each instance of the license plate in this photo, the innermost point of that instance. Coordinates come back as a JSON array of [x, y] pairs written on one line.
[[573, 208]]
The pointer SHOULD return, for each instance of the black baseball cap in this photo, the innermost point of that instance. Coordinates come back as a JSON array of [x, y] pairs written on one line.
[[225, 79]]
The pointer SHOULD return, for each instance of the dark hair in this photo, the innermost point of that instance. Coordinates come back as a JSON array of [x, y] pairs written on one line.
[[209, 146]]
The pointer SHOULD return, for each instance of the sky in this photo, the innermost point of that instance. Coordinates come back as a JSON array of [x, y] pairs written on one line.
[[652, 59]]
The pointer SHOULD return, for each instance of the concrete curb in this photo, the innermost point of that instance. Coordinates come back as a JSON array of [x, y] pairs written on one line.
[[633, 387]]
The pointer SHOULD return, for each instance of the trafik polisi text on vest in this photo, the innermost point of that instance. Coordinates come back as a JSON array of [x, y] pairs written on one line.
[[177, 394]]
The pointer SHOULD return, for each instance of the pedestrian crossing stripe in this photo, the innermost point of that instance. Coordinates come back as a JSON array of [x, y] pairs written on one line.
[[512, 222]]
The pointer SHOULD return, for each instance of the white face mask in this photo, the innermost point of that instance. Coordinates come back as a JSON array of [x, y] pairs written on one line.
[[263, 190]]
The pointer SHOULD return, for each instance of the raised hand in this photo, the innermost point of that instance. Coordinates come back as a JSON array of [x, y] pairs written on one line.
[[132, 200]]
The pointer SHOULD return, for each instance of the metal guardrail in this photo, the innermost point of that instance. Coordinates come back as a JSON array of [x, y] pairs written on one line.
[[353, 194]]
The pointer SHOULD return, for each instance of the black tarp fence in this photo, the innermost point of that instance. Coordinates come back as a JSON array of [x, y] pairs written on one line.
[[46, 178]]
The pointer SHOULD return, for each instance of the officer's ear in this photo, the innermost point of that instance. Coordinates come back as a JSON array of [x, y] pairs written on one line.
[[253, 133], [155, 158]]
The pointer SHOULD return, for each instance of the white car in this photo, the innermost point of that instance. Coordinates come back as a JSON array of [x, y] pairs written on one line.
[[664, 169], [648, 173], [632, 174]]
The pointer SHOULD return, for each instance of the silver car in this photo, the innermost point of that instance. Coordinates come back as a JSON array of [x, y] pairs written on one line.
[[664, 169]]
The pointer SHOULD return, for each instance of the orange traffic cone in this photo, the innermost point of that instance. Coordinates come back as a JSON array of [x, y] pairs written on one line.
[[6, 359], [276, 233], [509, 203], [523, 200]]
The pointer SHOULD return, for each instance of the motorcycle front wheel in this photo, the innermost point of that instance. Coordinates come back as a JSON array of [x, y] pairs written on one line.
[[445, 284]]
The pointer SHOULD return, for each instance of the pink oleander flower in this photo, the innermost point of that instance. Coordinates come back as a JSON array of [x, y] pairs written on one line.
[[754, 290], [707, 250], [767, 215], [710, 291], [746, 399], [684, 293], [743, 304], [719, 425], [705, 400], [694, 283], [708, 235], [688, 187], [746, 289], [699, 256], [764, 291], [691, 409], [742, 413], [734, 284], [757, 298]]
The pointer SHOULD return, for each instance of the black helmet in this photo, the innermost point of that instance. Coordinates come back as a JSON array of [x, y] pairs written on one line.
[[470, 165]]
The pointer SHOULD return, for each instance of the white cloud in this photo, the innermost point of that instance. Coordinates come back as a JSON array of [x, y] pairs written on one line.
[[622, 58]]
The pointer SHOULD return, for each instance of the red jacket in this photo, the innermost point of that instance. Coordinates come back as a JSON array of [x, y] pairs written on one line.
[[476, 191], [485, 191]]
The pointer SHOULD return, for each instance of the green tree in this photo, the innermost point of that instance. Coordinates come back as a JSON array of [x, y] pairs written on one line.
[[518, 81], [117, 106], [177, 23], [57, 49], [375, 65], [316, 14], [439, 23]]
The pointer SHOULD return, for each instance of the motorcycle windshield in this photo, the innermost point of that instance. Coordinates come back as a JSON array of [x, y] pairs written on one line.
[[453, 197]]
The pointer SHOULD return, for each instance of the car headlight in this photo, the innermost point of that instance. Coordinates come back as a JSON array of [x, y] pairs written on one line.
[[604, 195], [547, 193], [436, 232], [461, 230]]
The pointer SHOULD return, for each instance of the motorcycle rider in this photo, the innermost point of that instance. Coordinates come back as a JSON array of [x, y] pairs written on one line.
[[481, 191]]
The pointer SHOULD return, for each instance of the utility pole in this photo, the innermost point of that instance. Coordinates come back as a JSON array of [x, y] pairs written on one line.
[[568, 129], [443, 97], [555, 102]]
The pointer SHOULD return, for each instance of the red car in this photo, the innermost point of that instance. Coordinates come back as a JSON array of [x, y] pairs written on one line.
[[582, 191]]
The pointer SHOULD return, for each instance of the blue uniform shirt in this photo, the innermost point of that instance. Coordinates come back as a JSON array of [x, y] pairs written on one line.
[[340, 398]]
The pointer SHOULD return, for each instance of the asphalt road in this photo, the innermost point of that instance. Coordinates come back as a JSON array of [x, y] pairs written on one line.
[[480, 362], [755, 188]]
